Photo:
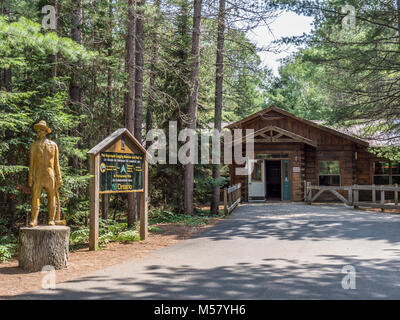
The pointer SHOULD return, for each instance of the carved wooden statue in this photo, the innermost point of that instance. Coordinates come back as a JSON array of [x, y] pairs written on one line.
[[44, 173]]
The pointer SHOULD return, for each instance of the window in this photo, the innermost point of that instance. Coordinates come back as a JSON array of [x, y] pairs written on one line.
[[329, 173], [257, 173], [382, 168], [386, 173]]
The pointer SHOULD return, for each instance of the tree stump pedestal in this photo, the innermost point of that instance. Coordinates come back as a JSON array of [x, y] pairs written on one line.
[[43, 246]]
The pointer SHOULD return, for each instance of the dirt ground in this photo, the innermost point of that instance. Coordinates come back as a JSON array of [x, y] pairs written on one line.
[[14, 281]]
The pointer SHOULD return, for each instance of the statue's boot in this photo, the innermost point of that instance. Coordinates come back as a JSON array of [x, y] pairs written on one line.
[[52, 215], [33, 223], [34, 217], [52, 206], [51, 220]]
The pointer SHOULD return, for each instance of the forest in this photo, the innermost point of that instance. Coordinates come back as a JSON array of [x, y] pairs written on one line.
[[88, 67]]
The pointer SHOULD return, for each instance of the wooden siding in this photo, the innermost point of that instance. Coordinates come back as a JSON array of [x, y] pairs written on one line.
[[330, 146]]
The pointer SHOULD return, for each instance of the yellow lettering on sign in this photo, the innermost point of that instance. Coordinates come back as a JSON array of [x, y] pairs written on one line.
[[124, 187]]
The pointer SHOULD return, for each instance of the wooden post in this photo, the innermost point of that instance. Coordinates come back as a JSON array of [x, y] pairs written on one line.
[[94, 203], [226, 201], [350, 193], [396, 195], [144, 203], [373, 193], [309, 193], [356, 196], [382, 198]]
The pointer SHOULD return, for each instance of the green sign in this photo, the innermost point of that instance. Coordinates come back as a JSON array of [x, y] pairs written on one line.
[[120, 172]]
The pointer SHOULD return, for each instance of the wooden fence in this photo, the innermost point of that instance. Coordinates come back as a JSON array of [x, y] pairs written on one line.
[[353, 195], [232, 197]]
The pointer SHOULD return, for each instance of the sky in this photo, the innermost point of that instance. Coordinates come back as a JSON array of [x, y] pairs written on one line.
[[286, 25]]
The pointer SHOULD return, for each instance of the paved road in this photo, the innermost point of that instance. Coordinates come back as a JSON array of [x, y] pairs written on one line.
[[263, 251]]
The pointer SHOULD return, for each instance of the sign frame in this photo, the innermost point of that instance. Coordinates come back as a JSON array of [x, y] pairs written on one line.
[[122, 191], [117, 141]]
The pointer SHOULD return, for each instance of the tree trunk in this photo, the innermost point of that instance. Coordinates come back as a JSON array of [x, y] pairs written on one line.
[[130, 100], [131, 64], [105, 202], [139, 82], [398, 19], [218, 97], [193, 97], [43, 246], [153, 70], [76, 35], [54, 57], [75, 92], [139, 71]]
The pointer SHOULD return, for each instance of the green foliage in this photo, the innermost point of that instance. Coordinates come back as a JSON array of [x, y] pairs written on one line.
[[155, 229], [159, 216], [44, 65], [23, 36], [8, 242], [352, 73], [36, 96], [109, 231], [300, 88]]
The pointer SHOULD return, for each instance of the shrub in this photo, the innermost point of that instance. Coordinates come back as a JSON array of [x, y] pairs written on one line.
[[8, 247], [109, 231]]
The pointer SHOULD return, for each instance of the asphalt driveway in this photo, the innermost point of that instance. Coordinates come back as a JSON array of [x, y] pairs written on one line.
[[263, 251]]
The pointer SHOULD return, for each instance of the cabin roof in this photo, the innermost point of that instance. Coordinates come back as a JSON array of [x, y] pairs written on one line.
[[308, 122], [363, 130]]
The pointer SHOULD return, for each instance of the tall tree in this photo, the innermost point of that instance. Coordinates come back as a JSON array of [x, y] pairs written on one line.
[[153, 67], [219, 79], [76, 35], [131, 94], [193, 100], [105, 199], [139, 61], [54, 57]]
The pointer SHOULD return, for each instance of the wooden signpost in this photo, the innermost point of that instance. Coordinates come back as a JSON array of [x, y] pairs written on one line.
[[119, 164]]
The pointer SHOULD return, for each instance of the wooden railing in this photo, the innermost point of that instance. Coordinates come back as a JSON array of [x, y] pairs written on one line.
[[353, 195], [232, 197]]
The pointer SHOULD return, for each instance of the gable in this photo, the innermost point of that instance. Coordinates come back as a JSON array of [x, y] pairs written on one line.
[[278, 118], [273, 134]]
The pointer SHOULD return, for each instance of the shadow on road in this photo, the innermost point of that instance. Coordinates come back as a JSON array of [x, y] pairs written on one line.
[[301, 222], [243, 281], [377, 277]]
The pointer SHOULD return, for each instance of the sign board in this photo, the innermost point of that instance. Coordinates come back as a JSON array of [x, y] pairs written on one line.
[[121, 172], [118, 164], [296, 169]]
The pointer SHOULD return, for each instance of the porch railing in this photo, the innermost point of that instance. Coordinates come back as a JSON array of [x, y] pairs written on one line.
[[232, 197], [353, 195]]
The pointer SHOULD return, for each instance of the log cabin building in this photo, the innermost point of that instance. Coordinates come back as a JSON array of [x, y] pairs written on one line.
[[289, 150]]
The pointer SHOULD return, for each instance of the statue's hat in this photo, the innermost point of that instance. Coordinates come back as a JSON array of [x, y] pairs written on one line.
[[42, 124]]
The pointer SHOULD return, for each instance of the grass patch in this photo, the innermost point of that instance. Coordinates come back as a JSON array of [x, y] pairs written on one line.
[[155, 229], [201, 218]]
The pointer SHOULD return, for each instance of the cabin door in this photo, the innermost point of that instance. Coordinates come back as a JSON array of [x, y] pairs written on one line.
[[285, 180], [256, 180]]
